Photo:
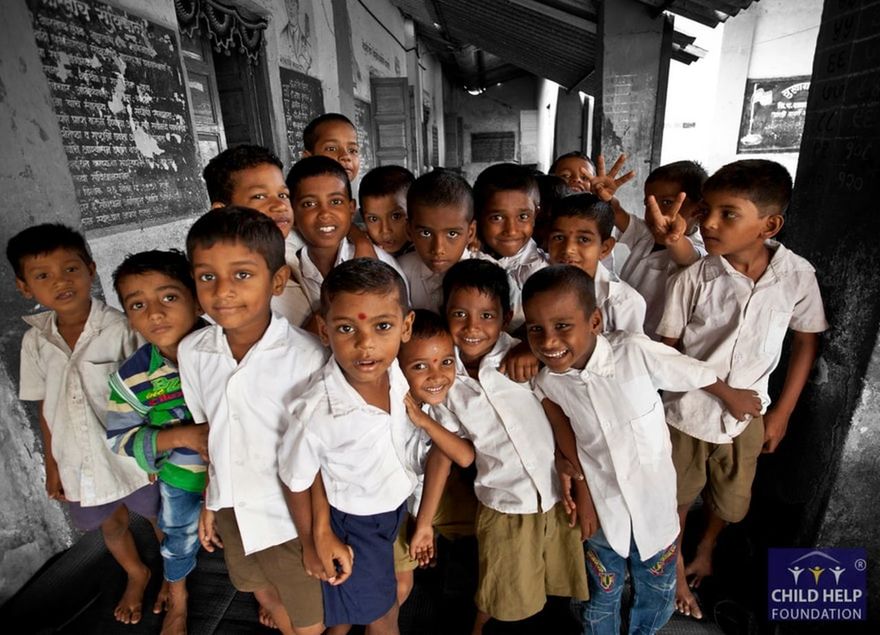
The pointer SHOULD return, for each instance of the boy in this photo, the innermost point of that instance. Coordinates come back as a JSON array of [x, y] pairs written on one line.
[[251, 176], [147, 418], [576, 168], [607, 388], [580, 235], [324, 208], [526, 548], [382, 196], [239, 377], [552, 189], [347, 434], [333, 135], [66, 357], [732, 310]]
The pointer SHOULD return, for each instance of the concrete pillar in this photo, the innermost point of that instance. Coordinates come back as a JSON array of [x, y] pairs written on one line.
[[414, 75], [548, 93], [344, 58], [633, 63], [569, 124]]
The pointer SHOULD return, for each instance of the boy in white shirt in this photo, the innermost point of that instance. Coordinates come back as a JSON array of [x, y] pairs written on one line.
[[240, 376], [600, 393], [732, 310], [527, 550], [347, 437], [580, 235]]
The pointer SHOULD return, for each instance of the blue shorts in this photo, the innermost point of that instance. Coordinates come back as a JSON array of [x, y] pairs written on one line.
[[143, 501], [371, 590]]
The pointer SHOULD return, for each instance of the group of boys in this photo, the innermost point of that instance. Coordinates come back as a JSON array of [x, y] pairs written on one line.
[[306, 392]]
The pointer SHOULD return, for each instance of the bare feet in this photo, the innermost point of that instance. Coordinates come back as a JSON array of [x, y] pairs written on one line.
[[175, 619], [128, 611], [162, 603], [685, 601], [266, 618], [701, 566]]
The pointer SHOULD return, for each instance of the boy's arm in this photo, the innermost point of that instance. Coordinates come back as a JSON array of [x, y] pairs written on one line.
[[363, 246], [300, 506], [421, 544], [520, 363], [337, 558], [740, 402], [54, 488], [208, 535], [453, 446], [804, 347]]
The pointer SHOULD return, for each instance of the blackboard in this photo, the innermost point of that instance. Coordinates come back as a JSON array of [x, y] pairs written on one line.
[[303, 100], [363, 122], [773, 115], [118, 93], [490, 147]]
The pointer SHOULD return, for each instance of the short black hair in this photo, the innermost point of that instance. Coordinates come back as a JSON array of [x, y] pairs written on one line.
[[570, 155], [587, 206], [765, 183], [551, 189], [482, 275], [219, 174], [315, 165], [310, 133], [363, 275], [235, 224], [441, 188], [559, 279], [503, 177], [689, 175], [171, 263], [428, 324], [385, 180], [44, 239]]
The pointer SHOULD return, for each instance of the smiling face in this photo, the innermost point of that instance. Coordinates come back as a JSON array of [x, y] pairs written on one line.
[[507, 221], [475, 321], [576, 172], [365, 331], [160, 308], [262, 188], [440, 235], [323, 210], [731, 224], [428, 363], [59, 280], [385, 219], [560, 333], [338, 140], [576, 241]]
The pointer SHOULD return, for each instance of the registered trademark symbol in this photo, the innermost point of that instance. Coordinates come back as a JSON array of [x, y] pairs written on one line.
[[860, 564]]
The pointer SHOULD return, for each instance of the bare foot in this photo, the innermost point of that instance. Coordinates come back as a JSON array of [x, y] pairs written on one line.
[[128, 611], [162, 603], [266, 618], [685, 601], [701, 566], [175, 619]]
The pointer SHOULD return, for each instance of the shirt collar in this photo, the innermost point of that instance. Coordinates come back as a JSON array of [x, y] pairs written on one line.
[[344, 399], [781, 263], [602, 280], [100, 316], [344, 252], [601, 363], [493, 358], [275, 335], [526, 254], [157, 360]]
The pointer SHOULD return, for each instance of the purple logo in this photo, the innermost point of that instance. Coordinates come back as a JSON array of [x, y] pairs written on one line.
[[821, 585]]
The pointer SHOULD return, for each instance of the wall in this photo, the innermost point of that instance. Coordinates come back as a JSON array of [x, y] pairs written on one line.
[[377, 53]]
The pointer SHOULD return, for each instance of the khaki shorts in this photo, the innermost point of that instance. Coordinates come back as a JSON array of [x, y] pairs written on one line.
[[728, 468], [402, 559], [279, 566], [524, 558], [457, 510]]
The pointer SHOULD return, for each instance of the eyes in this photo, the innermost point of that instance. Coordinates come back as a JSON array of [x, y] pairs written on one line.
[[348, 329], [446, 362], [168, 298], [425, 234], [350, 150], [522, 217], [458, 314], [211, 277], [395, 217], [336, 201], [262, 196], [581, 239], [44, 275], [558, 326]]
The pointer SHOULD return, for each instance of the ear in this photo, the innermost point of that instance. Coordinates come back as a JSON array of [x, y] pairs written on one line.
[[217, 205], [595, 322], [607, 246], [772, 224], [352, 206], [406, 330], [306, 153], [279, 279], [471, 231], [23, 288], [323, 332], [506, 318], [93, 268]]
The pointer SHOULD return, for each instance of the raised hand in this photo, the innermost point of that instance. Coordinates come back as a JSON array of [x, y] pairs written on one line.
[[668, 226], [605, 184]]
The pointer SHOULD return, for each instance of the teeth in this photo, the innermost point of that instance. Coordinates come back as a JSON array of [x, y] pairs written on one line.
[[327, 229], [434, 388], [555, 354], [472, 340]]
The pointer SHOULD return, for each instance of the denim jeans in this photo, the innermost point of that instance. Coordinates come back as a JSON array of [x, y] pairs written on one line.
[[653, 587], [179, 519]]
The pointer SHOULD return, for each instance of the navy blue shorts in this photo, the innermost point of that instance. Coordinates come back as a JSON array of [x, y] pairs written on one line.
[[371, 590]]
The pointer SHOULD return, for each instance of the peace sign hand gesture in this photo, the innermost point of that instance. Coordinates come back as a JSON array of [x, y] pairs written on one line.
[[667, 226]]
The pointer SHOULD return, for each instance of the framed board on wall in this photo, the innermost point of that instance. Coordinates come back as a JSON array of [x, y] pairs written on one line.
[[303, 100], [363, 123], [773, 115]]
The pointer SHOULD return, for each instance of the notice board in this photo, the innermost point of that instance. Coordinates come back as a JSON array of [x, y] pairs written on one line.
[[118, 93], [303, 100], [363, 123], [773, 115]]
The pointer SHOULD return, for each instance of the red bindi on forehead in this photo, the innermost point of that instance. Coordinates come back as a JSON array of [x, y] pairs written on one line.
[[362, 316]]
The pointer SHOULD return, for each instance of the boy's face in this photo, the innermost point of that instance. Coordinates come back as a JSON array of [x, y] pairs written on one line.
[[385, 218], [59, 280], [440, 235], [428, 363], [161, 308], [731, 224], [560, 334], [234, 286], [576, 172], [262, 188], [338, 140], [475, 321], [507, 222], [665, 193], [576, 241], [323, 210], [364, 331]]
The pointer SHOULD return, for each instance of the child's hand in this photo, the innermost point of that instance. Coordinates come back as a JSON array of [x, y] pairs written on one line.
[[667, 226], [208, 535], [311, 324], [194, 437], [54, 488], [775, 426], [421, 545], [363, 246], [520, 364], [568, 473], [586, 511], [336, 558], [311, 561], [413, 411], [604, 185], [741, 402]]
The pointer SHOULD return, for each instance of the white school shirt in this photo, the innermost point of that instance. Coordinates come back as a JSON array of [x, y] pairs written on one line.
[[622, 308], [622, 439], [311, 279], [73, 386], [647, 270], [246, 406], [425, 286], [519, 267], [359, 448], [292, 304], [737, 326], [512, 438]]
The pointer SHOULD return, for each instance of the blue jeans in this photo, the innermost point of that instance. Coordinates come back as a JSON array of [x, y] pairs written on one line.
[[653, 586], [179, 519]]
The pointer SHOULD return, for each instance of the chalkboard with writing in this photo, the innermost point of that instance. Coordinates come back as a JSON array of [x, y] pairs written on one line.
[[118, 93], [363, 122], [303, 100]]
